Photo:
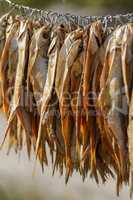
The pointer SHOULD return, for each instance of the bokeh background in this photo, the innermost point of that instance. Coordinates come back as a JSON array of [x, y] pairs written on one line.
[[102, 5], [17, 181], [111, 4]]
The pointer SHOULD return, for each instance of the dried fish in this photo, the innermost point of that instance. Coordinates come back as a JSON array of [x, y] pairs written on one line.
[[69, 90], [38, 62], [5, 66], [48, 115], [127, 59], [76, 74], [110, 100], [68, 54], [3, 26], [18, 109], [93, 44]]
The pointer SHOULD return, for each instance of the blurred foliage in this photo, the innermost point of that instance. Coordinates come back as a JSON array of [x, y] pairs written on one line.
[[96, 3]]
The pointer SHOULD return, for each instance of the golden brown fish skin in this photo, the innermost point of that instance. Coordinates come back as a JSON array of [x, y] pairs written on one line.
[[12, 63], [92, 42], [77, 140], [50, 100], [110, 101], [102, 69], [76, 74], [38, 62], [99, 80], [62, 57], [126, 56], [4, 66], [58, 36], [68, 54], [59, 162], [18, 108], [127, 78], [3, 26], [53, 52], [115, 84]]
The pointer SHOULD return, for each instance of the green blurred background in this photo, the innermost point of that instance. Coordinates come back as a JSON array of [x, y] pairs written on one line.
[[113, 4]]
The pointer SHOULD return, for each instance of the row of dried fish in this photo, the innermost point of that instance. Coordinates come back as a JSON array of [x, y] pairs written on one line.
[[69, 89]]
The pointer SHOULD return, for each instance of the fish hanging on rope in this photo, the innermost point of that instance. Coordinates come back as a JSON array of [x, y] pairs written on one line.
[[110, 100], [75, 81], [3, 28], [68, 54], [38, 62], [67, 93], [94, 33], [6, 64], [104, 143], [127, 70], [47, 118], [18, 108]]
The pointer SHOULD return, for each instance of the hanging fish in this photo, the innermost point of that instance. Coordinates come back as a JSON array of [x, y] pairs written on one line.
[[50, 101], [110, 101], [127, 59], [17, 109], [92, 46], [127, 71], [75, 81], [93, 39], [5, 65], [38, 62], [3, 28], [68, 54], [104, 146]]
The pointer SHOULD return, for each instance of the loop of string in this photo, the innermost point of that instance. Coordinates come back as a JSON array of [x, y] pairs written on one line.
[[54, 17]]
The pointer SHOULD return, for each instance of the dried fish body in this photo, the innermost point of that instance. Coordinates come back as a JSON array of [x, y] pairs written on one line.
[[53, 54], [110, 101], [3, 26], [104, 143], [59, 70], [127, 59], [4, 66], [76, 74], [100, 76], [50, 101], [38, 62], [18, 108], [13, 50], [64, 52], [12, 63], [127, 50], [67, 56], [94, 42], [116, 83]]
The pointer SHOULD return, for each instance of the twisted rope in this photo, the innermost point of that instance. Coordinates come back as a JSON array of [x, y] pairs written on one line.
[[54, 17]]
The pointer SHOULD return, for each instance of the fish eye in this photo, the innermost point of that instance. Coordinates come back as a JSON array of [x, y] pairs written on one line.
[[62, 26], [45, 35]]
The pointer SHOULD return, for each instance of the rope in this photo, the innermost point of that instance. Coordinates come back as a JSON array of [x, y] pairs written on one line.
[[54, 17]]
